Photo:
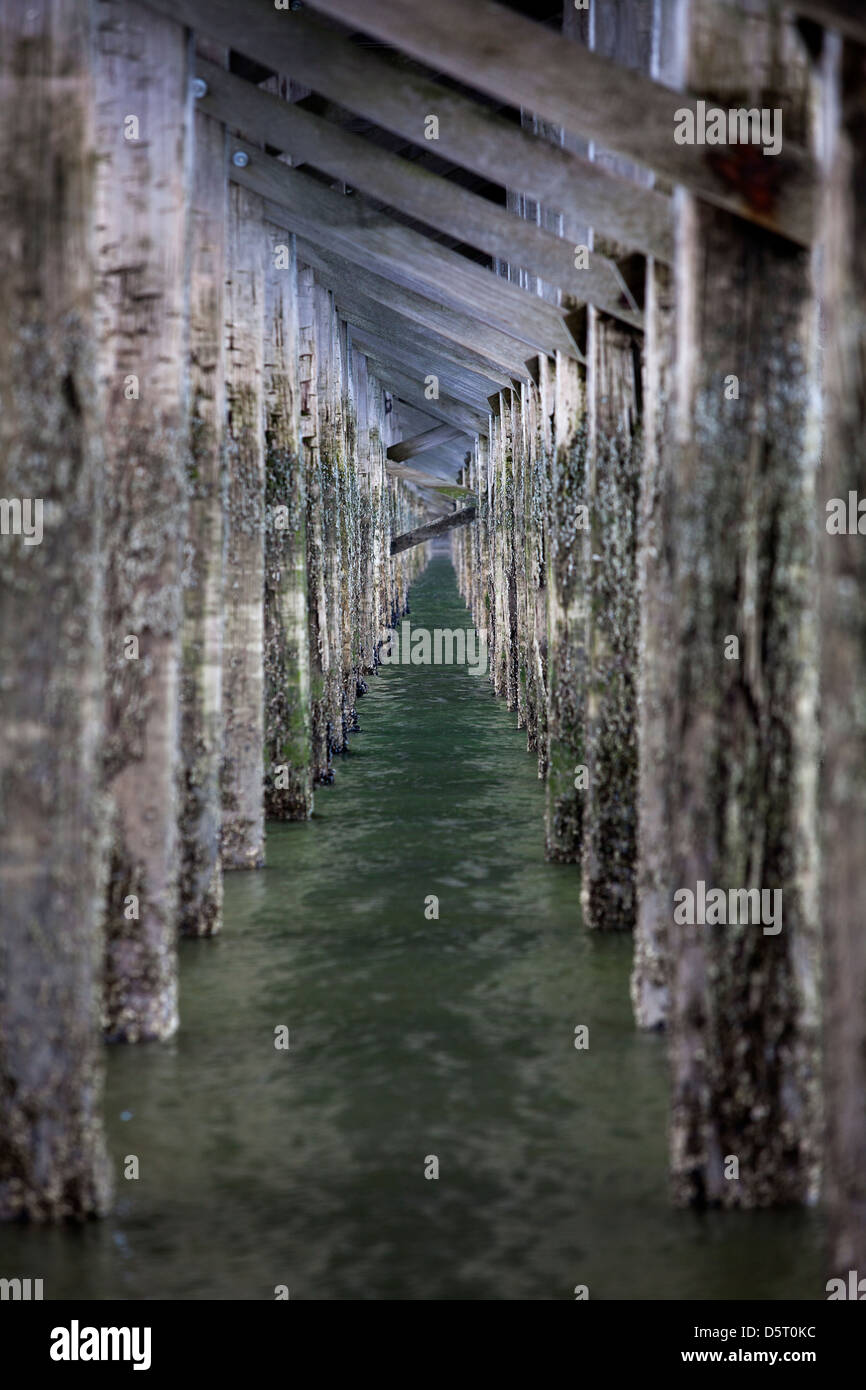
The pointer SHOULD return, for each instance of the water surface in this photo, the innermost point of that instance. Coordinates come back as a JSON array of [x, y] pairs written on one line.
[[409, 1038]]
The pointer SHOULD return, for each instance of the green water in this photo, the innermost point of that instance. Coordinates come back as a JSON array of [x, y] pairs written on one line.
[[408, 1037]]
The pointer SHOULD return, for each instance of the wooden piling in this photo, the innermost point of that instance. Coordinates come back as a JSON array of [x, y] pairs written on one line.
[[243, 826], [52, 827], [201, 695], [144, 116], [742, 738]]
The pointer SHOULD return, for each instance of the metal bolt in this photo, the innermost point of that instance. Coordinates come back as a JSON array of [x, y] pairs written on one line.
[[240, 159], [199, 88]]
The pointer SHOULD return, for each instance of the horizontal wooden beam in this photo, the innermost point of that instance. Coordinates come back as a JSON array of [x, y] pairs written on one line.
[[426, 311], [846, 16], [445, 409], [463, 386], [376, 242], [400, 100], [420, 443], [432, 529], [522, 62], [404, 184], [437, 482]]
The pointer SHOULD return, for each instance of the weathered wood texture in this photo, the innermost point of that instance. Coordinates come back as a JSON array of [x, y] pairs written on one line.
[[288, 778], [650, 988], [317, 611], [843, 661], [356, 230], [622, 32], [200, 897], [243, 828], [392, 95], [742, 756], [428, 314], [433, 528], [609, 846], [405, 185], [567, 586], [144, 119], [421, 443], [521, 62], [52, 833]]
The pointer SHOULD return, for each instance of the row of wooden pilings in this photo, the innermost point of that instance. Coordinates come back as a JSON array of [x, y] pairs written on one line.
[[183, 650], [677, 622]]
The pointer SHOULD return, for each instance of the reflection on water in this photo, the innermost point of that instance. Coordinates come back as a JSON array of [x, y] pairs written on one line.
[[408, 1037]]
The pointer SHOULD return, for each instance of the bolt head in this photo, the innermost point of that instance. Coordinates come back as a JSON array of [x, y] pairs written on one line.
[[240, 159], [199, 88]]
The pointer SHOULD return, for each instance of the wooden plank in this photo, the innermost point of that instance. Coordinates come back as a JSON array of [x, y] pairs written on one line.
[[371, 239], [420, 443], [378, 319], [521, 62], [429, 313], [411, 389], [386, 93], [434, 528], [404, 184], [846, 16], [464, 386]]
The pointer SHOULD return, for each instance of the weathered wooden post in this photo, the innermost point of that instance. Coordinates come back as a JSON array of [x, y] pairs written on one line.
[[52, 490], [650, 987], [144, 105], [650, 980], [317, 608], [288, 769], [243, 827], [842, 554], [609, 844], [200, 909]]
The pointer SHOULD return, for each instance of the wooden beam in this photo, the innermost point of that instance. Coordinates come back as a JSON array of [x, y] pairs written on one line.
[[473, 136], [429, 313], [434, 481], [521, 62], [370, 239], [434, 528], [464, 386], [847, 16], [372, 317], [420, 443], [411, 389], [394, 358], [403, 184]]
